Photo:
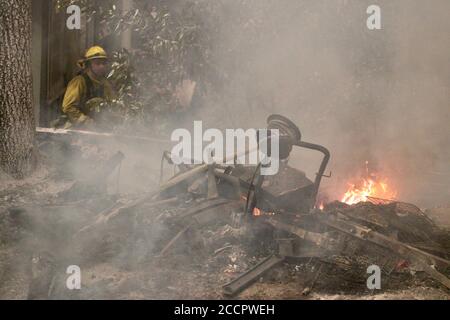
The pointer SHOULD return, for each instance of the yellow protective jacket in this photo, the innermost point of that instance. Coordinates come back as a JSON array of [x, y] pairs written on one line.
[[80, 90]]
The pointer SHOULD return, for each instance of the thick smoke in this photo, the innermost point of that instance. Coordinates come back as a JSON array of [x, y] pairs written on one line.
[[381, 95]]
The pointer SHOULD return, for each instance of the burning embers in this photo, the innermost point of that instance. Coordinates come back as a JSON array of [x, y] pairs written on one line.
[[371, 186], [258, 213]]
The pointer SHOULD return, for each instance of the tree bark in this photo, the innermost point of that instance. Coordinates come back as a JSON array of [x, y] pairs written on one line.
[[17, 123]]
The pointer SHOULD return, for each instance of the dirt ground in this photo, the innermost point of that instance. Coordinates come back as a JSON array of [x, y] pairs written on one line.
[[36, 220]]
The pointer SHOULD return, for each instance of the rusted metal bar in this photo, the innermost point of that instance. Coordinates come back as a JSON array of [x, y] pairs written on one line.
[[183, 177], [243, 281], [323, 164], [321, 240]]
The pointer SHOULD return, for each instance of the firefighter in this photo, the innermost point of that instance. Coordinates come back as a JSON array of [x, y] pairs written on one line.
[[88, 89]]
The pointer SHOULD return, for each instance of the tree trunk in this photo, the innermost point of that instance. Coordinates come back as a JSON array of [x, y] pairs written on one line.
[[17, 123]]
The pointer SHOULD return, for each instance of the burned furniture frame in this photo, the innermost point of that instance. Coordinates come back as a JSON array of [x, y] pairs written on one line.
[[323, 164], [290, 137], [315, 234]]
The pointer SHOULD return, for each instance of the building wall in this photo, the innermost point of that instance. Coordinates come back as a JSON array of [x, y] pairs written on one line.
[[56, 51]]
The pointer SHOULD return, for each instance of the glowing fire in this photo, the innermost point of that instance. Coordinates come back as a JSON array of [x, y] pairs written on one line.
[[369, 187], [256, 212]]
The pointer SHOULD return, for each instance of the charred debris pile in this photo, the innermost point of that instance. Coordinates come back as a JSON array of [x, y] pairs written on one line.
[[233, 220]]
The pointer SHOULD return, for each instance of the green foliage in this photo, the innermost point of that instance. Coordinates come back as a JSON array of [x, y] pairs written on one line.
[[175, 40], [168, 48]]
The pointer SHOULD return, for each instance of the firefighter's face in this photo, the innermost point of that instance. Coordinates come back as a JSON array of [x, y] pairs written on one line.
[[99, 67]]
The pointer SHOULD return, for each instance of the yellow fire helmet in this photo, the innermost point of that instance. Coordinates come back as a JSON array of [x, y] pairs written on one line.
[[95, 52], [92, 53]]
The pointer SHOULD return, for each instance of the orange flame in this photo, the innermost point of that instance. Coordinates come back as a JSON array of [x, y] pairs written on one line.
[[256, 212], [366, 188]]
